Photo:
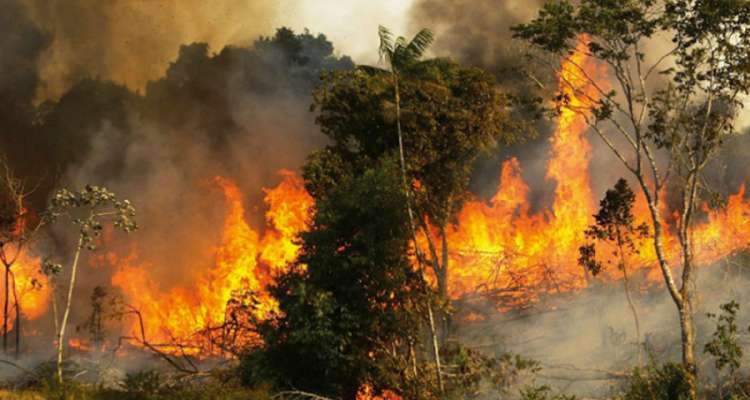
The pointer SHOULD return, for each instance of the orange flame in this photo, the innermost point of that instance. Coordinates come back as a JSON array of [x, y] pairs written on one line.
[[32, 289], [244, 262], [367, 393], [500, 248]]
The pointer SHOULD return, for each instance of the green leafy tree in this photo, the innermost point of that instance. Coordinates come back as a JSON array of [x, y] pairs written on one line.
[[88, 210], [726, 349], [668, 113], [444, 117], [615, 225], [350, 306], [724, 344], [448, 115]]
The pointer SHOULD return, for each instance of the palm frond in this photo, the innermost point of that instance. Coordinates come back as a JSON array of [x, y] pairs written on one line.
[[419, 44], [399, 52], [386, 48]]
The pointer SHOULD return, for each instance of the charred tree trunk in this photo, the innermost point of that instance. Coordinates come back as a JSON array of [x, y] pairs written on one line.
[[18, 318], [443, 277], [6, 310]]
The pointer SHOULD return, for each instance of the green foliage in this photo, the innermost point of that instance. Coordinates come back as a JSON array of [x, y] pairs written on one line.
[[145, 382], [97, 205], [724, 344], [727, 352], [350, 303], [399, 53], [615, 224], [475, 375], [79, 391], [542, 393], [449, 116], [658, 382], [220, 384]]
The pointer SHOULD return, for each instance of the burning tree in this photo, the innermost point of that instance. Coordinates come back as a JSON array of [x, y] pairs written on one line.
[[669, 113], [88, 210], [16, 231]]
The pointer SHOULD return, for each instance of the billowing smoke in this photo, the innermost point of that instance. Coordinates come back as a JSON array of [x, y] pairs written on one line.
[[132, 43], [475, 32], [587, 343], [239, 111]]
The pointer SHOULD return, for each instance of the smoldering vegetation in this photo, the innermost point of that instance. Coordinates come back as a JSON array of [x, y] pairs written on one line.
[[586, 341]]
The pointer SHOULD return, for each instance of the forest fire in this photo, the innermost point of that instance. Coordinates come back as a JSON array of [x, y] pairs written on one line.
[[422, 200], [245, 263], [501, 248], [497, 248], [31, 286]]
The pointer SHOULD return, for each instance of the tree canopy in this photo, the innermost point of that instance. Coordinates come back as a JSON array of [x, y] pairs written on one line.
[[352, 298]]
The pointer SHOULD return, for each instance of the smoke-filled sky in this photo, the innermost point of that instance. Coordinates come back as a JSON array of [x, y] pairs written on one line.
[[132, 42]]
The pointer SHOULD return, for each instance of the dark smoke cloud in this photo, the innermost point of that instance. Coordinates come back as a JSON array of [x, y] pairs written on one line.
[[242, 113], [131, 42], [476, 32], [21, 43], [21, 46]]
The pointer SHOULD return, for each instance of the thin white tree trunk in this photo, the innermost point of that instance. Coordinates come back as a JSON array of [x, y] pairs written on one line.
[[66, 314], [407, 193]]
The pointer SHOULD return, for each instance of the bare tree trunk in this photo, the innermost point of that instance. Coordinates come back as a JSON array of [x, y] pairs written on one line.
[[688, 347], [681, 296], [413, 358], [66, 314], [407, 193], [631, 304], [55, 312], [435, 348], [443, 278], [18, 317], [686, 310]]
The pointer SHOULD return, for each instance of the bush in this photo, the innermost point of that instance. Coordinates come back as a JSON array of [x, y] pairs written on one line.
[[658, 382], [542, 393]]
